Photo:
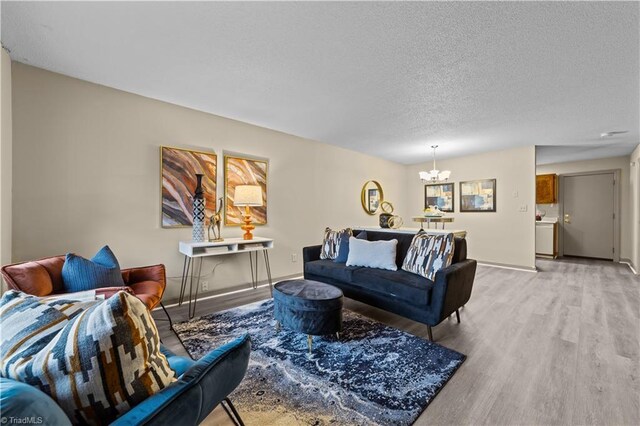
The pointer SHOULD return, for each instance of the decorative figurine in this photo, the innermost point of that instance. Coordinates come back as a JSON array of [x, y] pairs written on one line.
[[214, 224]]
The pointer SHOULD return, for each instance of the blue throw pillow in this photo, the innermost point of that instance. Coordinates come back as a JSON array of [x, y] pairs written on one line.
[[80, 274], [343, 246]]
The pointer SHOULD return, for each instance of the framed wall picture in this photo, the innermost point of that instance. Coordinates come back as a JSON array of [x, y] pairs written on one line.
[[441, 195], [244, 171], [373, 199], [178, 168], [478, 196]]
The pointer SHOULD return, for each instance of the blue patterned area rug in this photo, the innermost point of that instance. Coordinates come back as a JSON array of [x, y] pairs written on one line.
[[373, 375]]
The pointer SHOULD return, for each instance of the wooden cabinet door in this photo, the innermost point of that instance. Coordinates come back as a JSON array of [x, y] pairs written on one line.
[[546, 189]]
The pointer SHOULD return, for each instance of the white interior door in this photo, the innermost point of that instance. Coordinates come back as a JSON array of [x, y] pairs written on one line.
[[588, 227]]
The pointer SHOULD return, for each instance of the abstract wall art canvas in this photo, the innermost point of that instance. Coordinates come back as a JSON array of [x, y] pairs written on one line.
[[441, 195], [244, 171], [478, 196], [179, 168]]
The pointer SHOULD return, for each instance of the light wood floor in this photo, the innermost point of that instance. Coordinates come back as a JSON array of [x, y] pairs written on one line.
[[560, 346]]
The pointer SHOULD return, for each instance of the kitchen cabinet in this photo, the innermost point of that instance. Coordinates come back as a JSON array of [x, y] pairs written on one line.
[[547, 239], [547, 189]]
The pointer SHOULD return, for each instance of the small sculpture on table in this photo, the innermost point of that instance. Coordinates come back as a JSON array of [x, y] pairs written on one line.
[[387, 218], [214, 224]]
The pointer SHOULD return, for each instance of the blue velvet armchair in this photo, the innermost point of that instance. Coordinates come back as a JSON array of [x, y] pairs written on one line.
[[200, 387]]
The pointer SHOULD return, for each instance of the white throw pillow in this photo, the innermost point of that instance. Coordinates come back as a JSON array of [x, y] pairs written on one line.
[[373, 254]]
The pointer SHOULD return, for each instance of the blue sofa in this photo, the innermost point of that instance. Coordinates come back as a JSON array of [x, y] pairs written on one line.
[[403, 293], [201, 385]]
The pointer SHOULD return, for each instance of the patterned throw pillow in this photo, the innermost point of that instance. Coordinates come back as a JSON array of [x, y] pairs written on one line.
[[96, 360], [428, 254], [80, 274], [331, 242]]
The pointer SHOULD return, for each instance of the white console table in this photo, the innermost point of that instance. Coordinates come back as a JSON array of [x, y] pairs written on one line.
[[193, 250]]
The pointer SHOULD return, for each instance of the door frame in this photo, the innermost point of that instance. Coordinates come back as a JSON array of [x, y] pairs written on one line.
[[616, 208]]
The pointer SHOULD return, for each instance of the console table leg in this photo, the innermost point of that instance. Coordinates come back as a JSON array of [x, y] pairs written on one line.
[[254, 270], [255, 283], [190, 288], [268, 268], [430, 333], [183, 281], [195, 300], [458, 316]]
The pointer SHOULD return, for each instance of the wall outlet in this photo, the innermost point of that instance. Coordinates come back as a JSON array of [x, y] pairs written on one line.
[[205, 285], [294, 257], [515, 194], [523, 208]]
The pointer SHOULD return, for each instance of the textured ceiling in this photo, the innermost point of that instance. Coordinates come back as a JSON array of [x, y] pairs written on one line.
[[387, 79]]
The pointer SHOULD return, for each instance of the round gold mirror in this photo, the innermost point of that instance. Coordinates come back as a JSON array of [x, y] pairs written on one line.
[[371, 197]]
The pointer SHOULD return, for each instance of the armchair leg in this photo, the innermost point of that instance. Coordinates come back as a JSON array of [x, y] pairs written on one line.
[[173, 329], [167, 314], [232, 412], [430, 333], [458, 316]]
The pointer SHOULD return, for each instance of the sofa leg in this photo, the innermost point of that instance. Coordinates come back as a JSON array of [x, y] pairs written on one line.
[[232, 412], [458, 316], [430, 333]]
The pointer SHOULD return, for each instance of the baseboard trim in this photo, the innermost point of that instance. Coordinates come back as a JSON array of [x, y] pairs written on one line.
[[630, 265], [507, 266], [231, 290]]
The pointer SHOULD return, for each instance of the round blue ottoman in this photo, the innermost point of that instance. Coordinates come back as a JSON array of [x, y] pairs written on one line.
[[309, 307]]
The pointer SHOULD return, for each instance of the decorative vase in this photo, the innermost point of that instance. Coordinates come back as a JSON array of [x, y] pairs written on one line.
[[198, 211], [384, 220]]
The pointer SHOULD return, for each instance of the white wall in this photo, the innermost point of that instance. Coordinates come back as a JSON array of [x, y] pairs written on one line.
[[634, 176], [614, 163], [86, 172], [5, 157], [506, 237]]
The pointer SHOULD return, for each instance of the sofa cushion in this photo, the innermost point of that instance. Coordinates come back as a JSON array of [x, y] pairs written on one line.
[[103, 270], [330, 269], [331, 242], [408, 287], [96, 363], [20, 401], [428, 254], [460, 250], [372, 254]]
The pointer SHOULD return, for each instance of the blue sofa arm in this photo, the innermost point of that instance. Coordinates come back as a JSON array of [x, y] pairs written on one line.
[[452, 289], [197, 392], [311, 253]]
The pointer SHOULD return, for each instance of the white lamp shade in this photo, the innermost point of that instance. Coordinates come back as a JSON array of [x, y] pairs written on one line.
[[425, 175], [444, 175], [248, 195]]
